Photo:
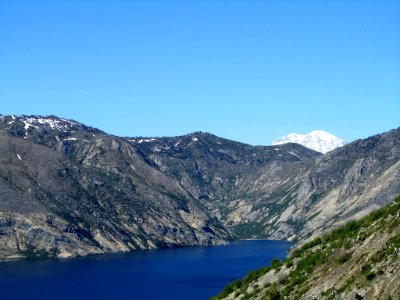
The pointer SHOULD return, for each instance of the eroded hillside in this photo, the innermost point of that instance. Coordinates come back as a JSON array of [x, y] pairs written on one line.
[[70, 190], [285, 191]]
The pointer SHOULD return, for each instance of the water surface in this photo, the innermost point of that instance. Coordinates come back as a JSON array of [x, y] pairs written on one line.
[[184, 273]]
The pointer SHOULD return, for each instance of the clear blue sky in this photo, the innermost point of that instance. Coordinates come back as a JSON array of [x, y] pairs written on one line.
[[251, 71]]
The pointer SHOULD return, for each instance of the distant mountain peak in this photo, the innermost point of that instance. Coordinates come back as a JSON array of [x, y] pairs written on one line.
[[317, 140]]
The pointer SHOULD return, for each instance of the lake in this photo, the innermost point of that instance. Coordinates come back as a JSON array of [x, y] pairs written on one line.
[[182, 273]]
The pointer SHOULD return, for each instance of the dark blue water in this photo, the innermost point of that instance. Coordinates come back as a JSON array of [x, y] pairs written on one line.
[[184, 273]]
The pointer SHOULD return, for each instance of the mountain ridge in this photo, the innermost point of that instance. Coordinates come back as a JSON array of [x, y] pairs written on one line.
[[196, 189]]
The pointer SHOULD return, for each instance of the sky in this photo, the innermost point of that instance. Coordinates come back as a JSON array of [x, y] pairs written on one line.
[[250, 71]]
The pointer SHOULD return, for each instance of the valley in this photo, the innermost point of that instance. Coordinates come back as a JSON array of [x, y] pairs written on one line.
[[68, 189]]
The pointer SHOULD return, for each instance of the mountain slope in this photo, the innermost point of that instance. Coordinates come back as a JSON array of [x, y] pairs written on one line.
[[317, 140], [360, 260], [69, 189], [285, 191], [74, 191], [241, 184], [211, 167]]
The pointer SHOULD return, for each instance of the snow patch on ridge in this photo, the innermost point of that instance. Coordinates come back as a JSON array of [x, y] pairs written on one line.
[[144, 140], [35, 122], [295, 155]]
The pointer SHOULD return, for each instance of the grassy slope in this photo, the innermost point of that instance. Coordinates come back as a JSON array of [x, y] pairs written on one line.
[[362, 257]]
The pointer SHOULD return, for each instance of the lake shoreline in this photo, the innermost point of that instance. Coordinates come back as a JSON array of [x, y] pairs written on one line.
[[20, 257]]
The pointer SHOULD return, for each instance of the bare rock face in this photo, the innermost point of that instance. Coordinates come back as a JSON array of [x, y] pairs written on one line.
[[67, 189]]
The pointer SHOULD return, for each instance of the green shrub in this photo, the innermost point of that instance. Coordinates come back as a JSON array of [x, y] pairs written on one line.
[[313, 243], [347, 244], [276, 263], [289, 263], [395, 241], [297, 253], [365, 269], [272, 294], [230, 288], [371, 275], [345, 257], [254, 275]]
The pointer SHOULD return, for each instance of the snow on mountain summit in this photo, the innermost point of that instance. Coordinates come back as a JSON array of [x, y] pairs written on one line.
[[317, 140]]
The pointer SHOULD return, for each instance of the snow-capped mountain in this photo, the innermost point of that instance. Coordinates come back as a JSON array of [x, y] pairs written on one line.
[[317, 140]]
